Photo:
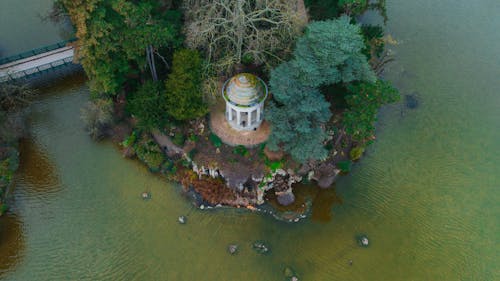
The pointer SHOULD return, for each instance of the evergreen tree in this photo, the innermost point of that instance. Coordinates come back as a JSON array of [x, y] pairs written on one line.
[[146, 105], [329, 52], [184, 96]]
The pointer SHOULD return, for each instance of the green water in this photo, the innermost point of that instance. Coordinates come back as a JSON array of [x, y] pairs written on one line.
[[426, 193]]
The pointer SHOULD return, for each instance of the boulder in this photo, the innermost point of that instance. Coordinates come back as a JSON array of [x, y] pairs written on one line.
[[411, 101], [182, 219], [286, 198], [260, 247], [232, 249]]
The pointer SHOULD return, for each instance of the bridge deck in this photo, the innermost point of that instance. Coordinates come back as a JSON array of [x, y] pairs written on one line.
[[34, 64]]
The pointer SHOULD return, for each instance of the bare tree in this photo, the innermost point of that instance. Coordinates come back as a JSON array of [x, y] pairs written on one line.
[[230, 30]]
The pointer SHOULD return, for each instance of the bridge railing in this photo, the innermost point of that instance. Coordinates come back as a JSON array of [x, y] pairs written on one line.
[[37, 70], [36, 51]]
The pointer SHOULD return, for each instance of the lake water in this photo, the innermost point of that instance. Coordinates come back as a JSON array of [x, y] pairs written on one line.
[[426, 193]]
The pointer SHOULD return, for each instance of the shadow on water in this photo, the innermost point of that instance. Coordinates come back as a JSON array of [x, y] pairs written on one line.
[[322, 201], [11, 242], [36, 170]]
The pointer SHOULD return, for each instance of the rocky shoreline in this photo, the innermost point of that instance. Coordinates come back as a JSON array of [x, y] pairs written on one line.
[[242, 185]]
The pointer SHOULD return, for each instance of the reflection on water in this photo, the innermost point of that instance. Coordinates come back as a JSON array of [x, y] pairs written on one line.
[[36, 170], [323, 201], [11, 242]]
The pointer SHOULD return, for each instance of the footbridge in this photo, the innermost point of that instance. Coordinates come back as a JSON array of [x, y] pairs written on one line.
[[36, 61]]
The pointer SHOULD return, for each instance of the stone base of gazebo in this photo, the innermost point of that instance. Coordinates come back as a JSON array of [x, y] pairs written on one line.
[[230, 136]]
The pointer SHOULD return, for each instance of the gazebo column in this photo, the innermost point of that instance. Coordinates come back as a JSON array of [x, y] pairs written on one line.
[[257, 116], [249, 116], [238, 118], [230, 116]]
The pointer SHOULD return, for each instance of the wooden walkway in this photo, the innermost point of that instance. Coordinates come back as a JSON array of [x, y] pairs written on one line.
[[38, 63]]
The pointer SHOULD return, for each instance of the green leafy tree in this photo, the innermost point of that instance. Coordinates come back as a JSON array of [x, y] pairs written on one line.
[[113, 36], [184, 96], [364, 100], [329, 52], [147, 105]]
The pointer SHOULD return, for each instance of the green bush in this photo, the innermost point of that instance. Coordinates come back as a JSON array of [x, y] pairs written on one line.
[[192, 153], [356, 153], [150, 153], [179, 139], [193, 137], [345, 166], [274, 165], [130, 140], [215, 140], [147, 105], [241, 150], [184, 95]]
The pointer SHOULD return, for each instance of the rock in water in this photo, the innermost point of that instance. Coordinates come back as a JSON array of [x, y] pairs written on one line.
[[362, 240], [289, 273], [260, 247], [146, 195], [182, 219], [411, 101], [286, 199], [232, 249]]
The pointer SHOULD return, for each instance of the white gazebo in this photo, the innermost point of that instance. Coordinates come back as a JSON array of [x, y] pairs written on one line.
[[244, 94]]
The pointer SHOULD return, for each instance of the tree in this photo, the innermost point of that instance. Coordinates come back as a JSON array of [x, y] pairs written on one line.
[[147, 105], [329, 52], [113, 36], [229, 30], [364, 100], [184, 96]]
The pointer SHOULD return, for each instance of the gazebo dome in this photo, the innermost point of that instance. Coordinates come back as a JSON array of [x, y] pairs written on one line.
[[245, 89], [244, 94]]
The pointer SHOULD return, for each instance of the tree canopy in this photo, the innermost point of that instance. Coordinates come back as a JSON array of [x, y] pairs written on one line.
[[113, 36], [184, 96], [329, 52], [364, 100], [229, 30]]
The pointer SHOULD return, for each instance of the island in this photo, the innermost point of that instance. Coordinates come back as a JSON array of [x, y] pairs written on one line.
[[236, 100]]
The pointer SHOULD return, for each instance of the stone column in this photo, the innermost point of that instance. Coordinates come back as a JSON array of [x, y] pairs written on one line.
[[249, 116], [229, 113], [257, 117], [238, 118]]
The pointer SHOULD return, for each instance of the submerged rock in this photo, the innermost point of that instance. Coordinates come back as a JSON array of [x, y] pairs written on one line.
[[288, 272], [232, 249], [286, 198], [146, 195], [411, 101], [260, 247], [362, 240], [182, 219]]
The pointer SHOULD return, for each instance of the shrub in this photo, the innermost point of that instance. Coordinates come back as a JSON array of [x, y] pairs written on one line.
[[147, 105], [241, 150], [179, 139], [98, 117], [345, 166], [150, 153], [130, 140], [356, 153], [184, 96], [215, 140]]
